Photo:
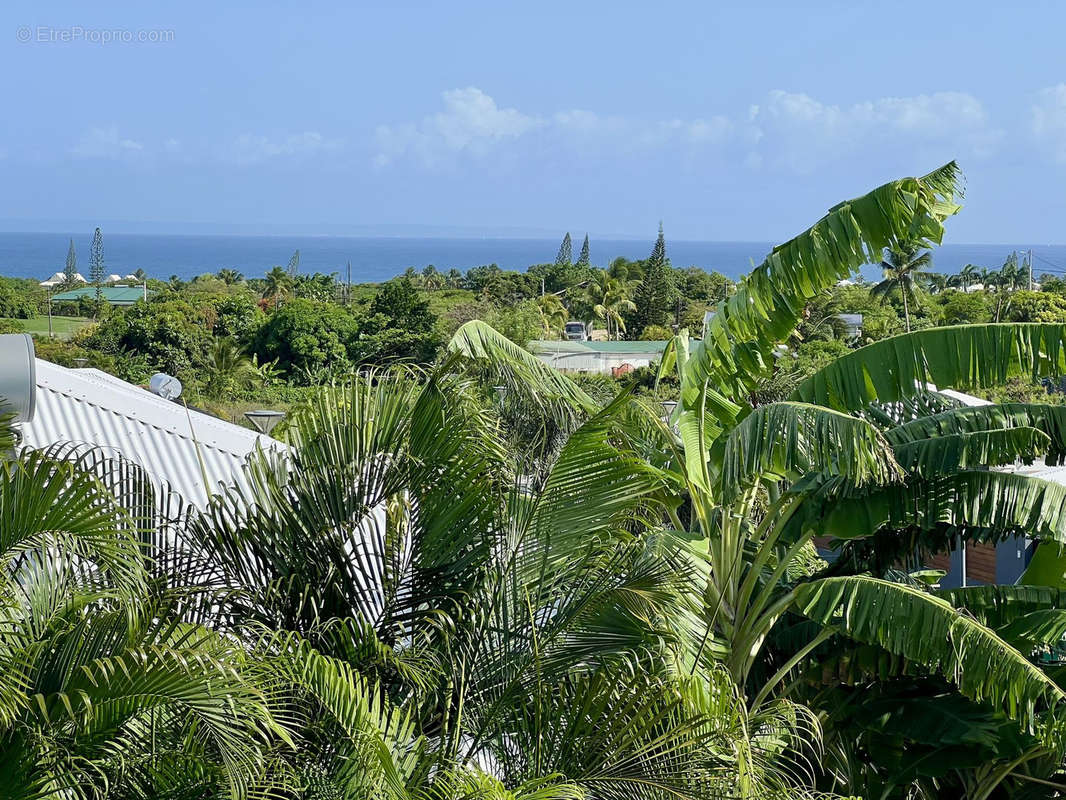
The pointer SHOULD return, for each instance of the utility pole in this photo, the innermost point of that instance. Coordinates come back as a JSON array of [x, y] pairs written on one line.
[[1029, 259]]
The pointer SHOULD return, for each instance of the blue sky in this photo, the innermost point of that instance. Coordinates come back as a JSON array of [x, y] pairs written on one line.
[[727, 121]]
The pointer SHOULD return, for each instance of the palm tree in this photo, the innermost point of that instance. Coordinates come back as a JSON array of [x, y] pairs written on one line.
[[609, 298], [964, 278], [1013, 276], [226, 368], [362, 554], [278, 284], [553, 314], [98, 685], [230, 276], [933, 281], [432, 279], [902, 265]]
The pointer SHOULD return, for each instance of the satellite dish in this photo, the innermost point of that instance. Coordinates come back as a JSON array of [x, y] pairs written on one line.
[[166, 386], [18, 376]]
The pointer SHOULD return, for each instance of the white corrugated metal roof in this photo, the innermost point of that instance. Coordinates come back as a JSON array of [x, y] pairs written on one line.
[[87, 406], [965, 399]]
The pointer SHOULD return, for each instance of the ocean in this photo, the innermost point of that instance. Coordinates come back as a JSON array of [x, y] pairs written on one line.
[[375, 259]]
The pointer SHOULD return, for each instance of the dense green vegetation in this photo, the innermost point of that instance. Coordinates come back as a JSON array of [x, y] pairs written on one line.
[[286, 333], [478, 578]]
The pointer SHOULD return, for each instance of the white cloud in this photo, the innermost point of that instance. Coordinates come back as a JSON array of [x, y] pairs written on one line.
[[105, 143], [254, 149], [789, 130], [1049, 120], [471, 121], [800, 132], [626, 133]]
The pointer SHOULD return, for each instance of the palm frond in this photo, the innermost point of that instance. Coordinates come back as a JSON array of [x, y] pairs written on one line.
[[1050, 419], [926, 630], [789, 440], [517, 369], [960, 357], [978, 449], [990, 505], [767, 305]]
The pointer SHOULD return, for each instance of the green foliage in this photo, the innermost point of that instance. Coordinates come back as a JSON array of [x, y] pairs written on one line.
[[585, 258], [964, 357], [170, 335], [965, 308], [398, 327], [699, 285], [809, 357], [903, 265], [305, 338], [565, 255], [521, 323], [507, 286], [909, 622], [237, 317], [322, 288], [655, 333], [70, 268], [97, 270], [20, 299], [1026, 306], [656, 296]]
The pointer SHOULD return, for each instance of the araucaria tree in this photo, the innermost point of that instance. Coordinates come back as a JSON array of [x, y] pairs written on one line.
[[70, 269], [656, 293], [584, 259], [565, 255], [96, 268]]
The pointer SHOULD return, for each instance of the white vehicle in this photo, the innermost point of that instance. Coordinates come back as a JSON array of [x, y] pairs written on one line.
[[577, 331]]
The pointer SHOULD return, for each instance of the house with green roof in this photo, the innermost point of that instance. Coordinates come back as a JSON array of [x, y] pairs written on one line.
[[114, 295]]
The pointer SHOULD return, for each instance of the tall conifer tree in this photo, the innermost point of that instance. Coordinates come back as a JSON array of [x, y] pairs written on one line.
[[70, 270], [294, 264], [566, 252], [656, 294], [96, 268], [583, 260]]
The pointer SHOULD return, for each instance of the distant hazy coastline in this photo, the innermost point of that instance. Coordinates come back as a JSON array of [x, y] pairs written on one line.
[[378, 258]]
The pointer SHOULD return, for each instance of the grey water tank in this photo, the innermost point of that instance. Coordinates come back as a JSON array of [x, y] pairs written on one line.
[[18, 376]]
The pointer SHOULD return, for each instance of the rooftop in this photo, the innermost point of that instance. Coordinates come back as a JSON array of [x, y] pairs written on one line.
[[118, 295], [545, 346], [90, 407]]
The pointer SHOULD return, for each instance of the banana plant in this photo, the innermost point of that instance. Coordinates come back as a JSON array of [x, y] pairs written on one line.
[[837, 460], [759, 482]]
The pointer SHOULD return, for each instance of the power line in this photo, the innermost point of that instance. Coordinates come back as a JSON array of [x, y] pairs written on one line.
[[1050, 263]]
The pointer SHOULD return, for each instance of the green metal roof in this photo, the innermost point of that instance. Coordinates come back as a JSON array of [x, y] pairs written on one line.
[[110, 294], [649, 348]]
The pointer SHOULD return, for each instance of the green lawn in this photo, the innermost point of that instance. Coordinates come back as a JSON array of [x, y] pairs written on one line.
[[62, 327]]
